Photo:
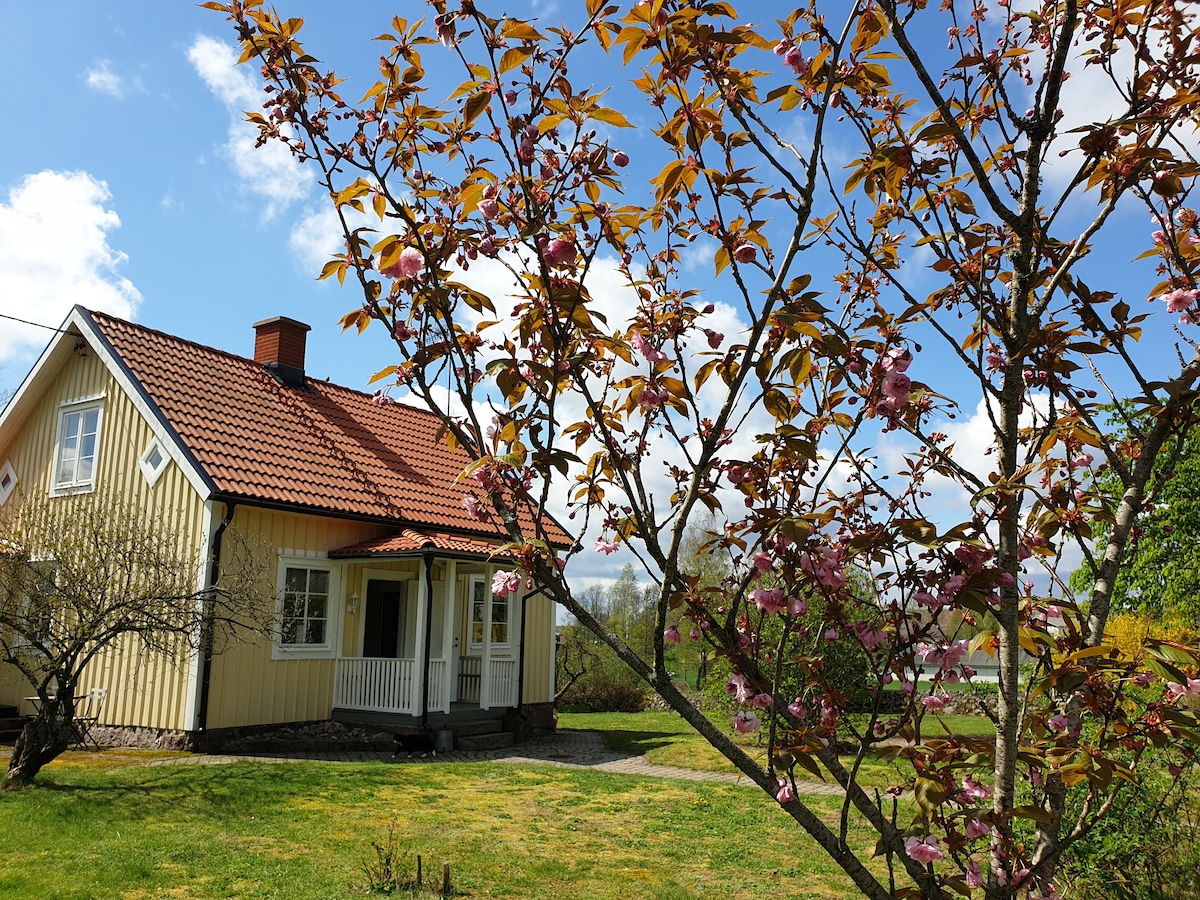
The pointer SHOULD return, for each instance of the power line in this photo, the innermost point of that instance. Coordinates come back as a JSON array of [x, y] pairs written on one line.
[[37, 324]]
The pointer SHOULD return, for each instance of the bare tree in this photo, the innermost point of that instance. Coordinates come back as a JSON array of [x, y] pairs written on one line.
[[79, 578]]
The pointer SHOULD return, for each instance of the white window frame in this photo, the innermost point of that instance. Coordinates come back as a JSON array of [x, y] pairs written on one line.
[[150, 471], [21, 642], [496, 600], [76, 485], [333, 611], [7, 472]]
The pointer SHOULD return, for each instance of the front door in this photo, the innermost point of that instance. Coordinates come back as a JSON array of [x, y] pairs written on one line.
[[384, 619]]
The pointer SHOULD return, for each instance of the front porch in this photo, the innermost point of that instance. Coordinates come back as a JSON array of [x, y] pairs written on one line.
[[425, 637], [395, 686]]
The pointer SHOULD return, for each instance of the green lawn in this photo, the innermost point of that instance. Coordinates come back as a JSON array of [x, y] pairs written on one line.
[[666, 739], [300, 830]]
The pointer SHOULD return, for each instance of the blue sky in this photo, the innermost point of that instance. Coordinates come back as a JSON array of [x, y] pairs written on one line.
[[124, 182], [128, 183]]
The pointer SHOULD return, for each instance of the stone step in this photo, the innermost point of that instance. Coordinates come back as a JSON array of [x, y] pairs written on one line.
[[10, 723], [472, 727], [8, 712], [493, 740]]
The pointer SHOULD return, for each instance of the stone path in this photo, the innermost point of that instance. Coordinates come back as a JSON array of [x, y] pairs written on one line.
[[571, 749]]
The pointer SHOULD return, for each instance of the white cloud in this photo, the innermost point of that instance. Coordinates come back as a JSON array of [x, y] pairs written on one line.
[[269, 171], [100, 77], [54, 253]]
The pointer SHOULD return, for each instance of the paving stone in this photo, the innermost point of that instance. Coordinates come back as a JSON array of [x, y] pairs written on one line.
[[569, 749]]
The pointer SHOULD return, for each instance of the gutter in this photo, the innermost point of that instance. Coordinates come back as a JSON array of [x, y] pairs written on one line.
[[427, 561], [206, 625]]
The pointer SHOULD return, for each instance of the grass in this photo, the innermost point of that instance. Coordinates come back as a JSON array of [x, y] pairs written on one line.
[[665, 739], [301, 830]]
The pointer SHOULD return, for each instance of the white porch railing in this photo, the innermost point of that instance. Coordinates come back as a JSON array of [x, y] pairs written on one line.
[[502, 686], [374, 684], [377, 685], [439, 685]]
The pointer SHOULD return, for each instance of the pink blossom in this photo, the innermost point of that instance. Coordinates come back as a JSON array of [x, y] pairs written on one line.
[[672, 634], [639, 343], [897, 360], [739, 687], [797, 606], [831, 634], [714, 338], [769, 600], [510, 97], [1180, 299], [935, 702], [944, 657], [973, 790], [762, 701], [907, 687], [974, 875], [745, 253], [408, 264], [763, 562], [746, 722], [649, 399], [403, 331], [1144, 679], [798, 709], [976, 829], [896, 387], [785, 794], [620, 159], [924, 850], [924, 598], [953, 585], [560, 252], [1058, 723], [794, 58], [603, 546], [489, 208], [869, 634], [474, 508], [505, 583], [695, 634]]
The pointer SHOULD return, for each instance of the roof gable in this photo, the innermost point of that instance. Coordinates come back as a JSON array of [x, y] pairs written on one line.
[[325, 449]]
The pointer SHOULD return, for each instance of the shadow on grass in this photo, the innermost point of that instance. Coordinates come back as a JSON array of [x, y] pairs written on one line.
[[637, 743]]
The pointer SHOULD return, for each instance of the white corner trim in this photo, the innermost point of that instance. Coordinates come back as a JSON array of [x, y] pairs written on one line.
[[191, 713]]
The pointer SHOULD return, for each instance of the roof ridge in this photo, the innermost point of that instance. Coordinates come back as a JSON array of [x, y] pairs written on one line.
[[249, 360]]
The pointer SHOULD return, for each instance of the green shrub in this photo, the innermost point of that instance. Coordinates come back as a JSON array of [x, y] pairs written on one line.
[[607, 685]]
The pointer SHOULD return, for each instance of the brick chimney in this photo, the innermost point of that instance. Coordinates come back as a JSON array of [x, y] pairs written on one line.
[[279, 346]]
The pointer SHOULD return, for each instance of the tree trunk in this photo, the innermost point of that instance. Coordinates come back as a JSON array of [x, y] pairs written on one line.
[[43, 739]]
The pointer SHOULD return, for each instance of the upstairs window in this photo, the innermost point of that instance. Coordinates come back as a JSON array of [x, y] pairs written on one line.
[[78, 441], [8, 482]]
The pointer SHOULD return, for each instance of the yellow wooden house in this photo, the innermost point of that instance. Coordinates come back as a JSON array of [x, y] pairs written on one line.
[[385, 612]]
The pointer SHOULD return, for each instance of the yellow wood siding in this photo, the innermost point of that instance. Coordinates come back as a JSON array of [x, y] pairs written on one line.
[[143, 691], [248, 686], [539, 626]]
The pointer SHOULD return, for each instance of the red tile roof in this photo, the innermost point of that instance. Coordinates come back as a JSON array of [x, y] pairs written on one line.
[[411, 541], [327, 449]]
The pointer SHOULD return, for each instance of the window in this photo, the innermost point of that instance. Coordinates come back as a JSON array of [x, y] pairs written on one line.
[[153, 462], [78, 440], [308, 609], [30, 610], [8, 482], [479, 595]]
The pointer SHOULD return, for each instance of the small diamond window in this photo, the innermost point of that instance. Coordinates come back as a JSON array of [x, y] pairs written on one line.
[[153, 462]]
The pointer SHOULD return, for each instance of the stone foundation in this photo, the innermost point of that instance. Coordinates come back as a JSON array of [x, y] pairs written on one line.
[[297, 737], [142, 738]]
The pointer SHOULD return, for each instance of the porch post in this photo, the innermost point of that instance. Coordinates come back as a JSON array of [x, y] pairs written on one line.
[[485, 675], [449, 614], [417, 697]]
